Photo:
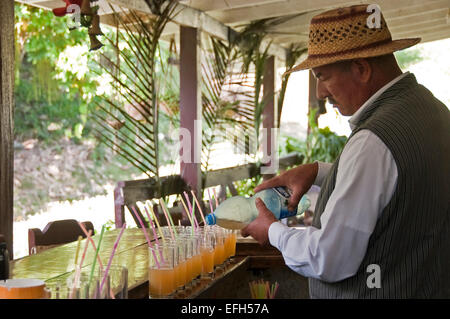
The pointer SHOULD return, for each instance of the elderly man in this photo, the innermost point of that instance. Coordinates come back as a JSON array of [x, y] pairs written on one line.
[[381, 222]]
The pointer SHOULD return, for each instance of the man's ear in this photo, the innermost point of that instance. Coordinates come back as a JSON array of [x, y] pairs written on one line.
[[362, 70]]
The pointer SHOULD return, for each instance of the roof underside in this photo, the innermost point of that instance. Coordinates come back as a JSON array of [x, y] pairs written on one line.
[[427, 19]]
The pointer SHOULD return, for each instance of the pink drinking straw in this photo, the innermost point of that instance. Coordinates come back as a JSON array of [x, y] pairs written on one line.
[[142, 226], [199, 207], [191, 210], [164, 206], [210, 202], [78, 270], [92, 242], [145, 233], [154, 236], [112, 255], [168, 221], [152, 225]]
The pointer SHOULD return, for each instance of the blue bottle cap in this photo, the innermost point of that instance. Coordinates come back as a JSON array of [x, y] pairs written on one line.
[[211, 219]]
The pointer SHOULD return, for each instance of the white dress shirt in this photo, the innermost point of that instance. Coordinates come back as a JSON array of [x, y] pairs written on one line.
[[365, 181]]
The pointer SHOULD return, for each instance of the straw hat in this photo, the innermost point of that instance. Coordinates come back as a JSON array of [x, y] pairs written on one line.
[[348, 33]]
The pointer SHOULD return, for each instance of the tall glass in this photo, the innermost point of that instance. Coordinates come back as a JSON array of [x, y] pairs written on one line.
[[219, 248], [207, 253], [161, 271]]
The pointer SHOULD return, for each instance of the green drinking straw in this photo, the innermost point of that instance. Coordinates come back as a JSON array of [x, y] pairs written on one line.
[[96, 254], [188, 215], [169, 218], [156, 221]]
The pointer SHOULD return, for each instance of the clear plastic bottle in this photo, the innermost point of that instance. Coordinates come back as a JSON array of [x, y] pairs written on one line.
[[238, 211]]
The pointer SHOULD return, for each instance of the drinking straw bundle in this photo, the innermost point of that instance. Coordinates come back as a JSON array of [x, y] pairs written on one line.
[[116, 243], [93, 244], [260, 289], [78, 266]]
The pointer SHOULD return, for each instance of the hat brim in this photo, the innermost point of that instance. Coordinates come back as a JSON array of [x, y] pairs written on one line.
[[382, 49]]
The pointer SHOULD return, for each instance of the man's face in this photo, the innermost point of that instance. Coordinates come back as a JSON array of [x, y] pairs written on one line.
[[336, 83]]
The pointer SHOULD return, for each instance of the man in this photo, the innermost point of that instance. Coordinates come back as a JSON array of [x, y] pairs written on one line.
[[381, 222]]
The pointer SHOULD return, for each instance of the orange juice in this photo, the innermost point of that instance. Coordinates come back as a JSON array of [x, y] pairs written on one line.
[[219, 253], [228, 246], [179, 276], [183, 271], [197, 264], [207, 260], [190, 269], [233, 244], [161, 282]]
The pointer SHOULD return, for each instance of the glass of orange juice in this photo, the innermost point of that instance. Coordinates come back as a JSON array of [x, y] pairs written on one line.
[[161, 271], [219, 248], [207, 253], [230, 243]]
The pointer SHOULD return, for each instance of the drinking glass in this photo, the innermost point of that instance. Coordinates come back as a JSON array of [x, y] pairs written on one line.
[[161, 271], [83, 286], [219, 248], [207, 253]]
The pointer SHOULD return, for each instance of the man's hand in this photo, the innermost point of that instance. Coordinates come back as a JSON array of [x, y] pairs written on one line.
[[299, 180], [259, 228]]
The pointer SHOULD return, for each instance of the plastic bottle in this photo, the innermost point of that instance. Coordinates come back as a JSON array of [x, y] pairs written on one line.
[[238, 211]]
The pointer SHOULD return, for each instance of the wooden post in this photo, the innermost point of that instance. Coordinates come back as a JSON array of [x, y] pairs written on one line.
[[269, 120], [6, 121], [190, 107]]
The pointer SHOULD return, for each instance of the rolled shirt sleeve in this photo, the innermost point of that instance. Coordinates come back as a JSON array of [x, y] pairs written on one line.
[[323, 169], [365, 182]]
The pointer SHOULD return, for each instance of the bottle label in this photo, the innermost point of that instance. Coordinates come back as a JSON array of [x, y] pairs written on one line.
[[285, 194]]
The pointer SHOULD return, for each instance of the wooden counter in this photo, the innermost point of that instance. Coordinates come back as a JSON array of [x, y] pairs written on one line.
[[250, 262]]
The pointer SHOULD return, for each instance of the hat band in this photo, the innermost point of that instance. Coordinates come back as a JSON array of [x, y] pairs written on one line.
[[364, 47]]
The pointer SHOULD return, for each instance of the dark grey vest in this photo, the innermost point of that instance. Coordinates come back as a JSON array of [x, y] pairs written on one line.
[[411, 241]]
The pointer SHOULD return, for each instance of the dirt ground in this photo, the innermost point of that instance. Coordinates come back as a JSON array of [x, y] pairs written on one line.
[[61, 182]]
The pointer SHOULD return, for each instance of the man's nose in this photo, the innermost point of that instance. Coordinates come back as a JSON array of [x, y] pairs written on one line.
[[321, 92]]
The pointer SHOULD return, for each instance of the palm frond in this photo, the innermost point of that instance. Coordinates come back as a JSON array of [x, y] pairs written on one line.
[[135, 105]]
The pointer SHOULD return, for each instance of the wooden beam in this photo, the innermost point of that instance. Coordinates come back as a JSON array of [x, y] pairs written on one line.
[[437, 29], [396, 17], [435, 37], [190, 17], [420, 26], [190, 107], [6, 121], [209, 5], [300, 6], [43, 4]]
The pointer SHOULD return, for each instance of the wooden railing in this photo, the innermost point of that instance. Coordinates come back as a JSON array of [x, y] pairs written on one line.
[[127, 193]]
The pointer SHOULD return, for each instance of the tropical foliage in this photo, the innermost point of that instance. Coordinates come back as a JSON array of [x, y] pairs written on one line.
[[321, 144]]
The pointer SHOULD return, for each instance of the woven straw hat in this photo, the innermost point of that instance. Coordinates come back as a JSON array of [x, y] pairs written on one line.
[[348, 33]]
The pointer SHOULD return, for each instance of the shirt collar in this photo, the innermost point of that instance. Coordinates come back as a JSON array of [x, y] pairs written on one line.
[[357, 115]]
